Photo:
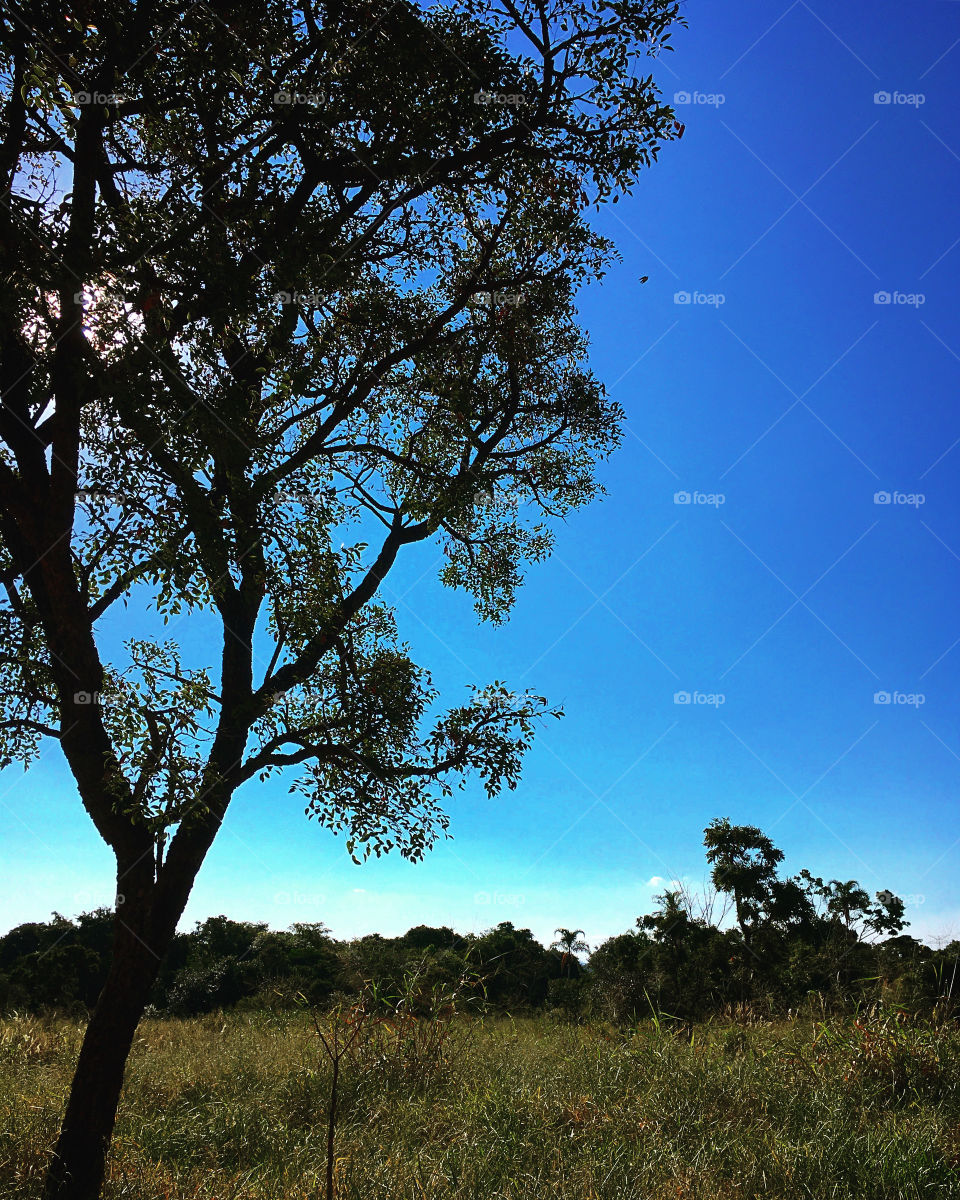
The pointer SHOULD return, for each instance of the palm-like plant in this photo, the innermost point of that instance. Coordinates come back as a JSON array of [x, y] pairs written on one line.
[[569, 943]]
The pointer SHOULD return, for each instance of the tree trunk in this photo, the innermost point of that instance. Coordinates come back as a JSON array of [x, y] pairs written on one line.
[[77, 1169], [153, 899]]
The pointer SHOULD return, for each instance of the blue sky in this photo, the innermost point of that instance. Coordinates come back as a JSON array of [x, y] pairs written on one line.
[[782, 398]]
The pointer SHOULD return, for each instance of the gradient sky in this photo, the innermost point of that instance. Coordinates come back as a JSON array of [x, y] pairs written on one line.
[[797, 198]]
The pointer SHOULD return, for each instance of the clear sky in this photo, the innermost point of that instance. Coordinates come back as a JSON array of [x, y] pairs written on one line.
[[785, 400]]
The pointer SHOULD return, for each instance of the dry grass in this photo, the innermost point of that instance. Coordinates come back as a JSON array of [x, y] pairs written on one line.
[[233, 1108]]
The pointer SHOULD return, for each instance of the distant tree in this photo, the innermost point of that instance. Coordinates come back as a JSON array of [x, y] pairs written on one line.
[[689, 969], [570, 944], [284, 295], [205, 985], [887, 915], [372, 957], [221, 937], [33, 937], [515, 966], [620, 973], [848, 905], [671, 920], [424, 937], [744, 862], [57, 963], [706, 904], [789, 908], [302, 960]]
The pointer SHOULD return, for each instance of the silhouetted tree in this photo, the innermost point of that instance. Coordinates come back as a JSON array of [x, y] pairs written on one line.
[[744, 862], [281, 300], [570, 944]]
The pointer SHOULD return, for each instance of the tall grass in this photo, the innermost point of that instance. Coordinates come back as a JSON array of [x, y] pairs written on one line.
[[235, 1108]]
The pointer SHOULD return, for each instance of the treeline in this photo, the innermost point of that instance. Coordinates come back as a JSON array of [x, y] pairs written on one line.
[[751, 940], [222, 963], [770, 943]]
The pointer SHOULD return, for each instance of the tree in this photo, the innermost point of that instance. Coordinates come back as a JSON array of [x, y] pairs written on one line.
[[847, 905], [58, 963], [570, 944], [430, 937], [515, 968], [218, 969], [619, 971], [287, 290], [689, 957], [848, 920], [744, 862]]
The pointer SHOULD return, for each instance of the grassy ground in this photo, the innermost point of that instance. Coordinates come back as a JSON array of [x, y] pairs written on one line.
[[224, 1108]]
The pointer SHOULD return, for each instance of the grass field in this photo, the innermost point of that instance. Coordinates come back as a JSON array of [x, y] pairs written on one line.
[[230, 1107]]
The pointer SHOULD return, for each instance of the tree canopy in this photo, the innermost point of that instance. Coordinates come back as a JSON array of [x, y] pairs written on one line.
[[284, 295]]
